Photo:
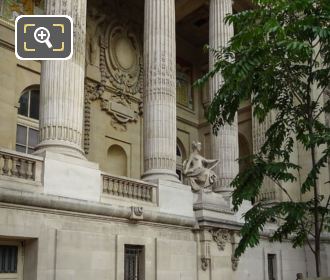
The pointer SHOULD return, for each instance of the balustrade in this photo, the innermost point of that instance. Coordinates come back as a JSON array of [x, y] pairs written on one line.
[[128, 188], [19, 165]]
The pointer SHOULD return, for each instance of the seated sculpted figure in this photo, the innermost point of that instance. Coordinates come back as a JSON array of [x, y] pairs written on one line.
[[198, 170]]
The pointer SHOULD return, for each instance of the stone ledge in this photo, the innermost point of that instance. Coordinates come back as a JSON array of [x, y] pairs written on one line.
[[218, 223], [44, 201]]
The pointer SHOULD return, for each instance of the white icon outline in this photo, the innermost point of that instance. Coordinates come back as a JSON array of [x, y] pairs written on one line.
[[42, 40], [42, 58]]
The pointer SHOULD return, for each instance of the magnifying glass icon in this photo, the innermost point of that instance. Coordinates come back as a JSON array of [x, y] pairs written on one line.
[[41, 35]]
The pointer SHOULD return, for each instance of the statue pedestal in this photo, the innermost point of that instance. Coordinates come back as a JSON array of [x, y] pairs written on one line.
[[208, 200], [215, 210]]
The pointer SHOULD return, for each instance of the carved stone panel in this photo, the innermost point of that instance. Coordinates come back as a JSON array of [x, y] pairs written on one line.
[[221, 237], [124, 58], [117, 47]]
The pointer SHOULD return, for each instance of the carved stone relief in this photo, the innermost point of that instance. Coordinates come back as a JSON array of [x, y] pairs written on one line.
[[136, 213], [221, 237], [92, 92], [234, 263], [124, 58], [93, 34], [204, 263], [114, 48]]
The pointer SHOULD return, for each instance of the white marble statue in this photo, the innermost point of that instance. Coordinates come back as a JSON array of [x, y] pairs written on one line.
[[198, 170]]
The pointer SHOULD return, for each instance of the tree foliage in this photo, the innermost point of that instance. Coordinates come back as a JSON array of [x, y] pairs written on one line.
[[279, 59]]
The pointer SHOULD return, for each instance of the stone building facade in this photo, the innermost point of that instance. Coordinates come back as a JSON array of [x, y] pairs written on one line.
[[92, 151]]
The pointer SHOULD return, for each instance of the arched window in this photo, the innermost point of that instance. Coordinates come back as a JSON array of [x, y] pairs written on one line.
[[27, 134]]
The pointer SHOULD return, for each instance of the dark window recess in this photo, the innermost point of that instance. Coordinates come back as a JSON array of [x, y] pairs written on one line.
[[133, 262], [24, 105], [8, 259], [200, 22], [178, 151], [34, 104], [29, 104], [271, 266]]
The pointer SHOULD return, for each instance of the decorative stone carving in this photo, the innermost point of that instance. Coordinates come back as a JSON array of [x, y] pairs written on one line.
[[234, 263], [136, 213], [93, 33], [116, 46], [92, 92], [124, 59], [205, 239], [221, 237], [121, 111], [198, 170], [204, 263], [234, 260]]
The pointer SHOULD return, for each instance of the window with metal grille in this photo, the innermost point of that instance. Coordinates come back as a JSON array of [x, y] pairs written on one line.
[[133, 262], [8, 259], [271, 266]]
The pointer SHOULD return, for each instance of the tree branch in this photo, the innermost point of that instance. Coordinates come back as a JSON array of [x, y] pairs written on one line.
[[323, 215], [283, 189]]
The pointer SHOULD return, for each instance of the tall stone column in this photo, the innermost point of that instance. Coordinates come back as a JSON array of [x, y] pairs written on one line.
[[224, 146], [62, 88], [159, 91]]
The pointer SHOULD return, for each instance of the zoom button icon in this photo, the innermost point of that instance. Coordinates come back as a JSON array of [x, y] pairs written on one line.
[[43, 37]]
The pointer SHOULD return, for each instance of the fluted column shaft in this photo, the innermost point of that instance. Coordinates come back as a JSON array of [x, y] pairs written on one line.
[[224, 146], [159, 90], [62, 87]]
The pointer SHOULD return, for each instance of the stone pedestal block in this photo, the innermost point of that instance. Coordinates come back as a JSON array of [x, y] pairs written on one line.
[[71, 177], [175, 198]]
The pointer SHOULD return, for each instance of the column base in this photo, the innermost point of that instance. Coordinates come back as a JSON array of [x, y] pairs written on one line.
[[223, 186], [154, 175], [60, 147]]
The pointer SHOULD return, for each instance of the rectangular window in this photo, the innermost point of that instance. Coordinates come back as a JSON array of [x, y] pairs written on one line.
[[8, 259], [271, 267], [134, 262], [26, 139]]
